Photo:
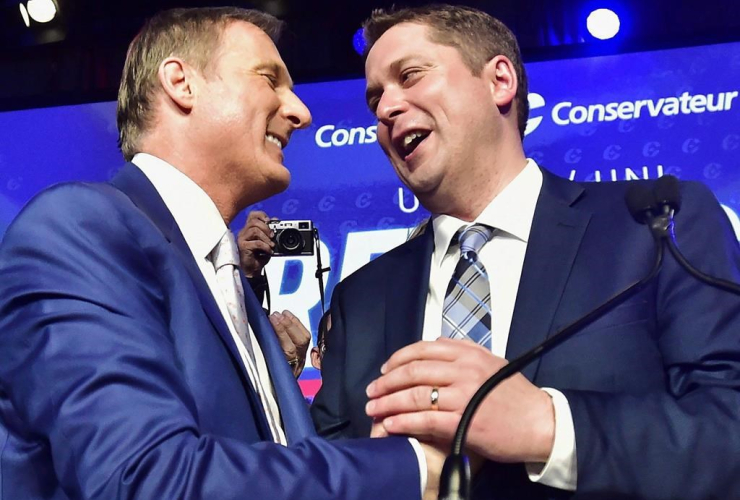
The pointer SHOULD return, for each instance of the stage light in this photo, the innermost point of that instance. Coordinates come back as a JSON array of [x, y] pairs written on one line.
[[603, 24], [24, 15], [45, 22], [41, 11], [358, 41]]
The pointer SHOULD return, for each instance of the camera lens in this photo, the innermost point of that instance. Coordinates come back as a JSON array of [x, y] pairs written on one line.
[[291, 240]]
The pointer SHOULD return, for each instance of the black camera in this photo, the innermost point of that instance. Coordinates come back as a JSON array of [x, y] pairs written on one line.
[[292, 237]]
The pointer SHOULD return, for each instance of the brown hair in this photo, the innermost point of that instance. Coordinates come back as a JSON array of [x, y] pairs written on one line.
[[192, 34], [477, 36]]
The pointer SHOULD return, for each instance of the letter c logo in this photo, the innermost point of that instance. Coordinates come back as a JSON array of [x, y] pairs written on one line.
[[536, 101]]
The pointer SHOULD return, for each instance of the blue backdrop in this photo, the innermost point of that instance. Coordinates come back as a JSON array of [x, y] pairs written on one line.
[[605, 118]]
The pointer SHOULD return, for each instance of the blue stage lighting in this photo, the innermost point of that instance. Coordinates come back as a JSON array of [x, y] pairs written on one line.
[[603, 24], [358, 41]]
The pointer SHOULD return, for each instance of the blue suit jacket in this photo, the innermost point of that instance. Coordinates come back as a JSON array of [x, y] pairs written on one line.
[[653, 385], [119, 377]]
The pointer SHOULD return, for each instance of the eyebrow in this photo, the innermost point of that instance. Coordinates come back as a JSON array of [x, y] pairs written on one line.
[[277, 69]]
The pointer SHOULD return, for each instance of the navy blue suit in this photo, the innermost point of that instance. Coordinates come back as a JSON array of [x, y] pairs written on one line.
[[654, 385], [119, 377]]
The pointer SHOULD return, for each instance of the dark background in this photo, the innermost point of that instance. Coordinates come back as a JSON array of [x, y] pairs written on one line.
[[78, 57]]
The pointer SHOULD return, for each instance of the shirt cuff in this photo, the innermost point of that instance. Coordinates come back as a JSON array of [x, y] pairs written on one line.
[[561, 469], [422, 463]]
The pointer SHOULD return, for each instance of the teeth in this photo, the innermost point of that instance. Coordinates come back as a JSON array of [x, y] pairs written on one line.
[[274, 140], [411, 137]]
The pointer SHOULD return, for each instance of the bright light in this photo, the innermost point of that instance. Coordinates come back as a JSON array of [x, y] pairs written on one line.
[[358, 41], [603, 24], [24, 14], [42, 11]]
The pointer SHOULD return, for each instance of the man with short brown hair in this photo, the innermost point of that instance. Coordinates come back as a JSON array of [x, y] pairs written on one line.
[[513, 253]]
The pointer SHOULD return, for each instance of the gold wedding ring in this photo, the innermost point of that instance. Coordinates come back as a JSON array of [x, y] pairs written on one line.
[[435, 399]]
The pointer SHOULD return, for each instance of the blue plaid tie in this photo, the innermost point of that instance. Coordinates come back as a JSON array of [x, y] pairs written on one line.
[[467, 308]]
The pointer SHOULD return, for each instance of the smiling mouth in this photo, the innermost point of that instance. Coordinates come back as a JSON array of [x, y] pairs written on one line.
[[411, 141], [275, 140]]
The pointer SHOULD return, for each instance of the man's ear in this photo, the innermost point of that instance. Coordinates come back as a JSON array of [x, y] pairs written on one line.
[[315, 358], [176, 79], [501, 74]]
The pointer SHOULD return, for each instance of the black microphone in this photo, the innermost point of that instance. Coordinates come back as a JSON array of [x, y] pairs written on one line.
[[641, 203], [667, 194], [454, 482], [668, 202]]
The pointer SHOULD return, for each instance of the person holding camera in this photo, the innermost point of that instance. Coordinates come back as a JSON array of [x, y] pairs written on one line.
[[256, 245]]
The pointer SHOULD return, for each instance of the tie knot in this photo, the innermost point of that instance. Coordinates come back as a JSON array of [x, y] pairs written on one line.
[[474, 237], [225, 252]]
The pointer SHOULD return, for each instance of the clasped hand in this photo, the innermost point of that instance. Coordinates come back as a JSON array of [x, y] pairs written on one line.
[[515, 422]]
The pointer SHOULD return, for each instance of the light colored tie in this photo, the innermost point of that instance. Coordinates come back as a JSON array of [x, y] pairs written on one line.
[[466, 313], [225, 258]]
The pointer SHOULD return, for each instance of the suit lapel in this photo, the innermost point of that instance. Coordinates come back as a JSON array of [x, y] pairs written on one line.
[[557, 231], [293, 407], [132, 182], [408, 276]]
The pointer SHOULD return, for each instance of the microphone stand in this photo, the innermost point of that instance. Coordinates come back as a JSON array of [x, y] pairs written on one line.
[[455, 476], [728, 286], [667, 195]]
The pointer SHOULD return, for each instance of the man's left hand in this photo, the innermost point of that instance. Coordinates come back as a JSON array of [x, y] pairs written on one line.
[[515, 422], [294, 339]]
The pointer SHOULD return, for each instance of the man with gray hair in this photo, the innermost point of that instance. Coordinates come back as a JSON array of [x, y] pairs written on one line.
[[135, 362]]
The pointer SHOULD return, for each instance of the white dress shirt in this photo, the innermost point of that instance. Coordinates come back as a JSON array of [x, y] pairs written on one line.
[[511, 213], [202, 227]]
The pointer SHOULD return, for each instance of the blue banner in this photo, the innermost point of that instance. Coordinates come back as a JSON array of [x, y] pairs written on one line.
[[599, 119]]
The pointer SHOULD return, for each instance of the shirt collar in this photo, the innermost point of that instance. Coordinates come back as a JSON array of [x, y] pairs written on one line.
[[194, 212], [510, 212]]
